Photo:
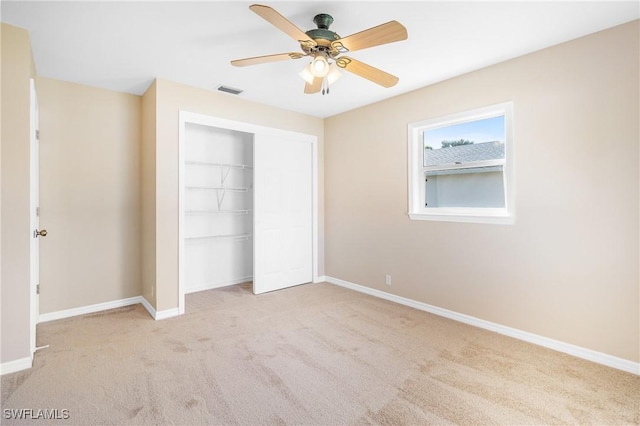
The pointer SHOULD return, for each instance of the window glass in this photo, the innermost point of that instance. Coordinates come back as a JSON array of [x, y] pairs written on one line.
[[477, 140], [461, 147]]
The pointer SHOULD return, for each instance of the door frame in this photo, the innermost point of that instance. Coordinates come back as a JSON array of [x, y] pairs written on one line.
[[186, 117], [34, 204]]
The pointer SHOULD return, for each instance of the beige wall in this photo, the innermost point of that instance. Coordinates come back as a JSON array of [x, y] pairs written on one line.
[[90, 198], [170, 99], [568, 268], [17, 68]]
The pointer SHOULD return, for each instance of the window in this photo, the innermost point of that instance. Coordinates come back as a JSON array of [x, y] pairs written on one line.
[[461, 167]]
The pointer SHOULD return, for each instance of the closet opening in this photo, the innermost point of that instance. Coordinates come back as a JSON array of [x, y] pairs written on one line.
[[248, 203], [218, 207]]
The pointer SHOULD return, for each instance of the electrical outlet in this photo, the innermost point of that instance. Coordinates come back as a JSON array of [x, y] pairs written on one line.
[[387, 279]]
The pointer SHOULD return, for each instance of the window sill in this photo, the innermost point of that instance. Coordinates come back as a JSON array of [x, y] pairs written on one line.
[[490, 216]]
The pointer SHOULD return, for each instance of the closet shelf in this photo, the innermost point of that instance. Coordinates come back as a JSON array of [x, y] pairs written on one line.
[[218, 188], [239, 237], [206, 163], [228, 211]]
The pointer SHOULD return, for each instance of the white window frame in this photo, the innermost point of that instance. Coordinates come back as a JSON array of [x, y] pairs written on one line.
[[416, 168]]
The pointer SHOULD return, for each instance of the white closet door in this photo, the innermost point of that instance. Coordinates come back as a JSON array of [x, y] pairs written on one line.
[[282, 213]]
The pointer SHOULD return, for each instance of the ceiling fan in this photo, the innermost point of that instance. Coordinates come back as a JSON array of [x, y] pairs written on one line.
[[325, 47]]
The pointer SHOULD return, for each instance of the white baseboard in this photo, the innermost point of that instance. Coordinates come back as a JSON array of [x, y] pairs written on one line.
[[167, 313], [148, 307], [212, 286], [52, 316], [320, 279], [577, 351], [159, 315], [16, 365]]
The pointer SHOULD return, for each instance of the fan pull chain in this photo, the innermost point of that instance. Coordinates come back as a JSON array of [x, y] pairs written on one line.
[[325, 86]]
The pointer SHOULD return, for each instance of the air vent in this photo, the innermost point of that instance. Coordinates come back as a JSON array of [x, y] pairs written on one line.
[[229, 90]]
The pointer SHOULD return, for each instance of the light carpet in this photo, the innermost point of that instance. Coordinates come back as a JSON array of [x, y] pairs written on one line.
[[312, 354]]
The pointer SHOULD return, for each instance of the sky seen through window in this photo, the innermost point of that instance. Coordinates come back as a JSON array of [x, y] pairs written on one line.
[[478, 131]]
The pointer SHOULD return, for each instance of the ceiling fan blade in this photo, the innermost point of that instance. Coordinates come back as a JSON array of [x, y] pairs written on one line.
[[315, 87], [280, 22], [382, 34], [264, 59], [367, 71]]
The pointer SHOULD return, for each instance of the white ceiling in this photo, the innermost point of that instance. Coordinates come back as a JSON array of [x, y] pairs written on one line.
[[123, 46]]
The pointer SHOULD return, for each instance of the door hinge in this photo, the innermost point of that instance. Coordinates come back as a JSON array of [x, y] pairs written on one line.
[[38, 134], [37, 288], [38, 211]]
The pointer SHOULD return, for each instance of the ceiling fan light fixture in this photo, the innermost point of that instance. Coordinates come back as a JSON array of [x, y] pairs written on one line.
[[320, 66], [333, 74], [306, 74]]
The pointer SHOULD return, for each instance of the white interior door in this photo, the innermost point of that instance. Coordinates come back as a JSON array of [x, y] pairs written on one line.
[[35, 217], [283, 219]]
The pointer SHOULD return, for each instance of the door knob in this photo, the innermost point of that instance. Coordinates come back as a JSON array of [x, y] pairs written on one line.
[[42, 233]]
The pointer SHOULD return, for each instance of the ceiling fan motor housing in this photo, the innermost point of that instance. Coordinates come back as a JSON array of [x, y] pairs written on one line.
[[322, 35]]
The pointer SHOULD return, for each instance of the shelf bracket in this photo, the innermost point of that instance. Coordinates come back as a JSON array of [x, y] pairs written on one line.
[[220, 196], [224, 174]]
